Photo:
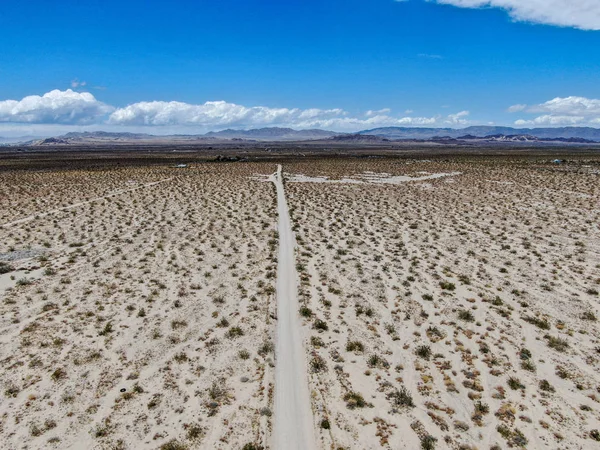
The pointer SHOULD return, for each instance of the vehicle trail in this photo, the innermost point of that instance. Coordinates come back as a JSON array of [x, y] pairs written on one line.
[[75, 205], [293, 418]]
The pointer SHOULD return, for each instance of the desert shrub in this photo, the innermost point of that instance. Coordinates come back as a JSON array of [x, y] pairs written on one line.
[[557, 343], [234, 332], [173, 444], [446, 285], [497, 301], [466, 315], [194, 432], [58, 374], [423, 351], [482, 408], [244, 354], [103, 430], [316, 341], [354, 400], [377, 361], [266, 348], [108, 328], [317, 364], [542, 324], [528, 365], [154, 401], [325, 424], [401, 398], [223, 323], [181, 358], [514, 438], [514, 383], [589, 315], [176, 324], [525, 354], [428, 442], [305, 311], [24, 282], [546, 386], [355, 346], [252, 446], [434, 333], [320, 325], [217, 392], [5, 267], [12, 391]]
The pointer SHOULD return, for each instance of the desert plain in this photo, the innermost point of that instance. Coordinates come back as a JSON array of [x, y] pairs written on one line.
[[439, 302]]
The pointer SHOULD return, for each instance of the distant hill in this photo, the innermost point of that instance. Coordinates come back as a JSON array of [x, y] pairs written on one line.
[[358, 138], [272, 134], [591, 134], [105, 137], [16, 140]]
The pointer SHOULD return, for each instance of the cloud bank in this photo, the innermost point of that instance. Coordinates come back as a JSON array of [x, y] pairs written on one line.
[[223, 114], [582, 14], [561, 111], [82, 108], [60, 107]]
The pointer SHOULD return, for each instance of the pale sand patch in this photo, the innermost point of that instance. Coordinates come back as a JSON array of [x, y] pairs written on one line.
[[369, 177]]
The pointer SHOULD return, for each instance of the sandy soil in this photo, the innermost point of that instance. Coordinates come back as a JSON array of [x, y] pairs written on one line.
[[459, 312], [139, 313], [444, 303]]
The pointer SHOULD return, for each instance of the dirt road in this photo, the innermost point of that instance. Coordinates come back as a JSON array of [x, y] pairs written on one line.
[[293, 421]]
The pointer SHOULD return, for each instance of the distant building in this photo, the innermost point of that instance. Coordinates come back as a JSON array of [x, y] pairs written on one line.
[[557, 161], [181, 166]]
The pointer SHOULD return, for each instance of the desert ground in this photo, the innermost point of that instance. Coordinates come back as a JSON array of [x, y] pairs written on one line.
[[136, 307], [430, 302]]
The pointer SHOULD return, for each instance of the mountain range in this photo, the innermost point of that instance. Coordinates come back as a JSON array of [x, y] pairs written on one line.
[[385, 134], [592, 134]]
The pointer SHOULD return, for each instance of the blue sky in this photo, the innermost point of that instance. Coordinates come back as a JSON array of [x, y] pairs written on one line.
[[338, 64]]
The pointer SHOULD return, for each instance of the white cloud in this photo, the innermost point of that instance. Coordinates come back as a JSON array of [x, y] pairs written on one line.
[[214, 115], [68, 108], [76, 83], [58, 107], [583, 14], [572, 106], [371, 113], [217, 113], [516, 108], [458, 118], [561, 111], [548, 120]]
